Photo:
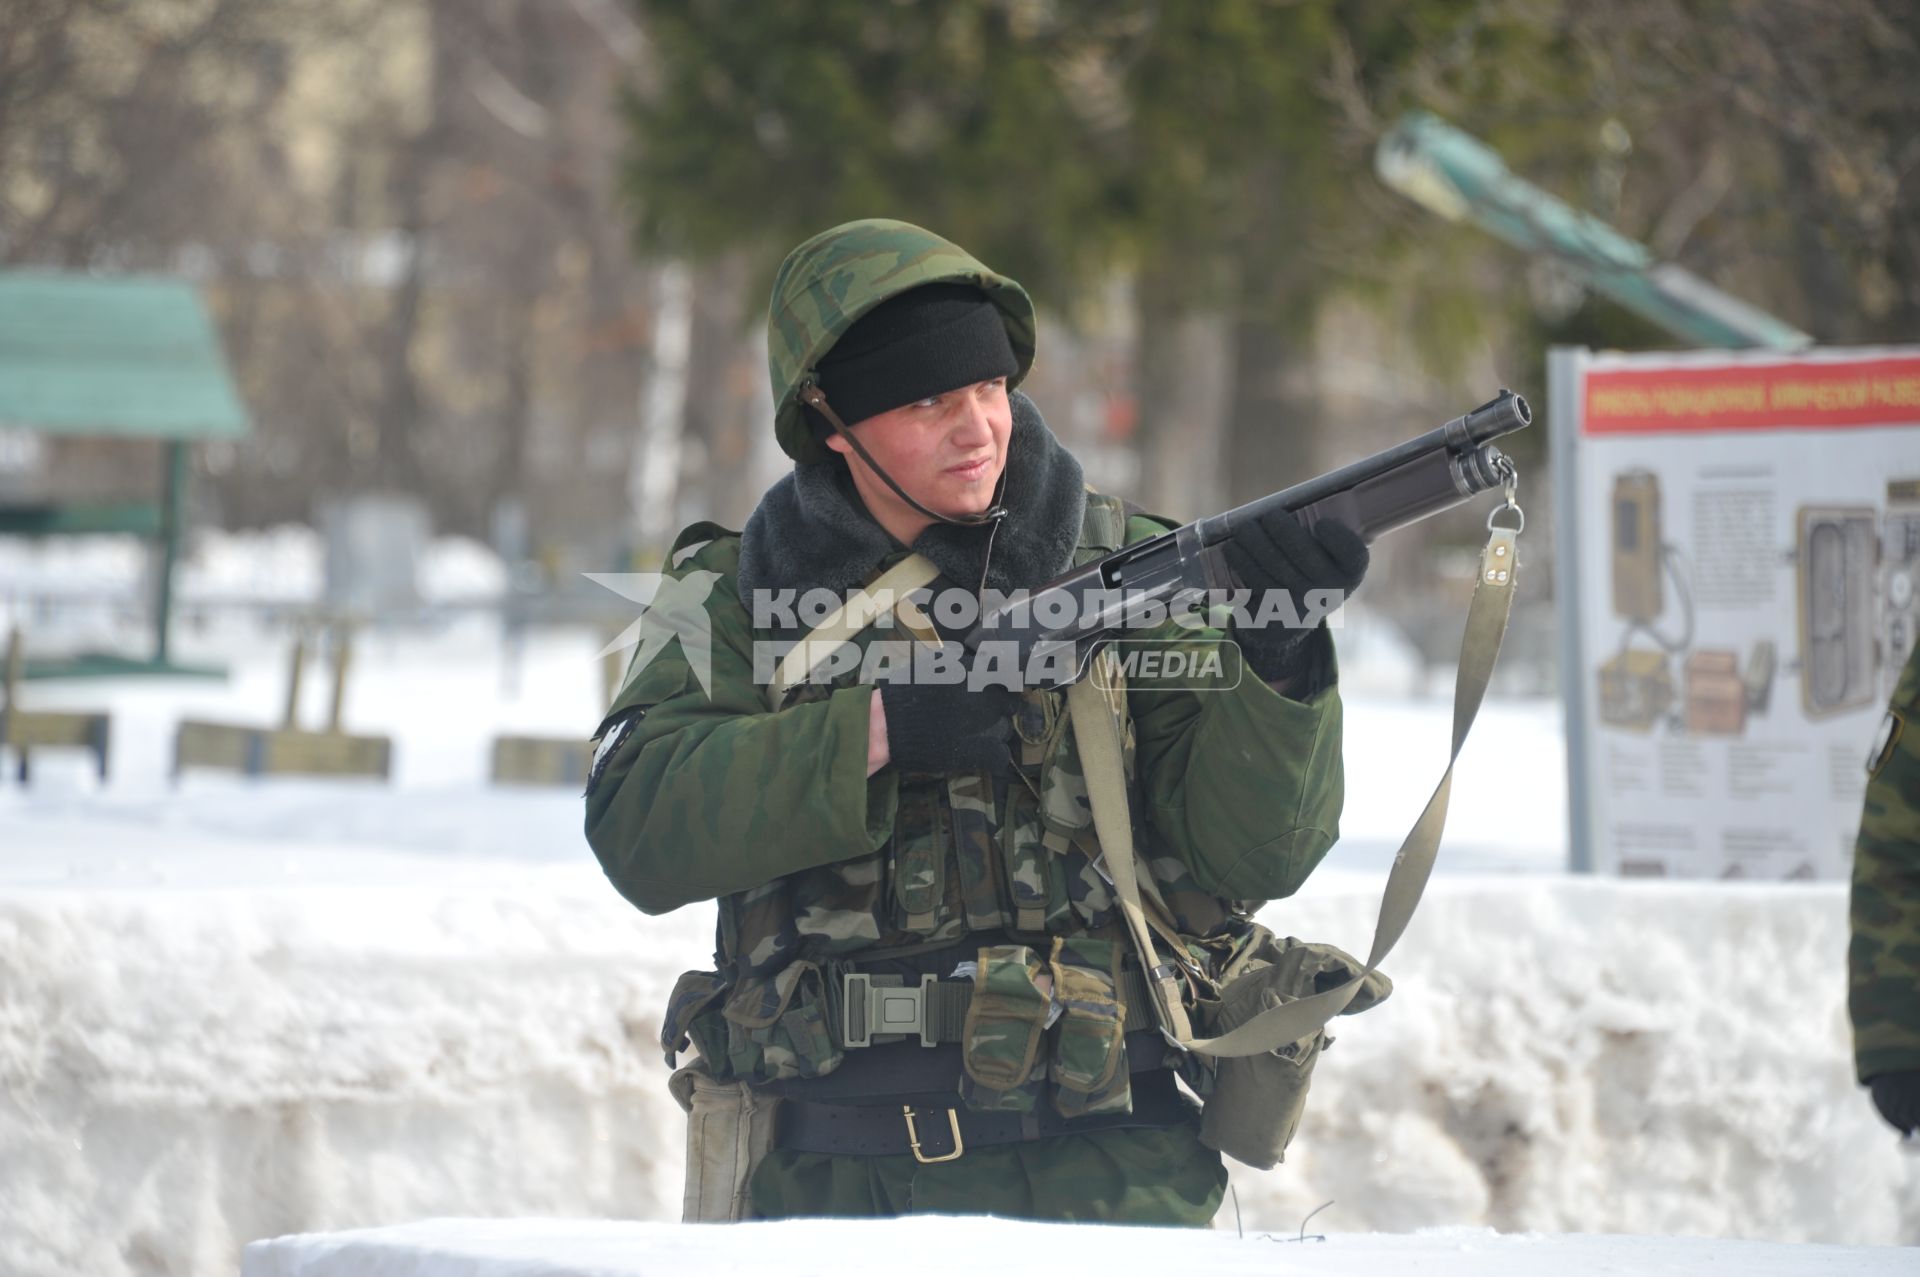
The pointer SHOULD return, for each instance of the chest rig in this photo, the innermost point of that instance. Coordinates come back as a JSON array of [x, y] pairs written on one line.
[[992, 888]]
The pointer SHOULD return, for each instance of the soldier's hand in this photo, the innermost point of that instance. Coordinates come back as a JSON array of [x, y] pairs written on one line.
[[1278, 552], [944, 729], [1897, 1096]]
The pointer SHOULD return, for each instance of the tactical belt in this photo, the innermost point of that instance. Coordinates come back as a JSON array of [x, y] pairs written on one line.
[[934, 1134], [885, 1008]]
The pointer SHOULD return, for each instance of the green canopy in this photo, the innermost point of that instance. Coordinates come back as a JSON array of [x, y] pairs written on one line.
[[1458, 176], [119, 357], [124, 358]]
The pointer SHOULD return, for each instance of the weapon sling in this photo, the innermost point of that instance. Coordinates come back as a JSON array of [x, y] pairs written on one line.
[[1096, 727], [860, 610]]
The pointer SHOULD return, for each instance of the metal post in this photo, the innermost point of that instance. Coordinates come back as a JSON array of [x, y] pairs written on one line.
[[15, 658], [342, 658], [10, 691], [1564, 364], [291, 719], [173, 512]]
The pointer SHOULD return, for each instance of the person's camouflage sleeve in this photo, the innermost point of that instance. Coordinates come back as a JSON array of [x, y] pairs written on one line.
[[1244, 784], [753, 795], [1883, 959]]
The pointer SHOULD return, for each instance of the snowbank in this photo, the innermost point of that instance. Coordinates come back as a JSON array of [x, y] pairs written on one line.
[[935, 1247], [233, 1011], [189, 1067], [1570, 1056]]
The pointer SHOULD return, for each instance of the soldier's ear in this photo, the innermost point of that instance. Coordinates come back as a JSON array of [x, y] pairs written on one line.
[[822, 432]]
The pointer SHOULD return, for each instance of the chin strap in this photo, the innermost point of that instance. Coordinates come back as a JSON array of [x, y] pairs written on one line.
[[816, 399]]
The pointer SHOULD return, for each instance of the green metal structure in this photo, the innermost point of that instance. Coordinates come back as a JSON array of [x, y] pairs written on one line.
[[1463, 179], [131, 358]]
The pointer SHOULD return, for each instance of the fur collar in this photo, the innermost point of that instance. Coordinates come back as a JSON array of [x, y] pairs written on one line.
[[811, 530]]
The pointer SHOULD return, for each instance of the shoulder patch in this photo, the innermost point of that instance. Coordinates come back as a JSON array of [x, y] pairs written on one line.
[[720, 554], [695, 537], [1885, 742], [612, 733]]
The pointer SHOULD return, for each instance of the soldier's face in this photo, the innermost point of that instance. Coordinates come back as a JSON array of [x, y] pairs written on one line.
[[947, 452]]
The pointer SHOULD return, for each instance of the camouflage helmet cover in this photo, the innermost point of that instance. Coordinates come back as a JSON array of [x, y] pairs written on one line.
[[837, 276]]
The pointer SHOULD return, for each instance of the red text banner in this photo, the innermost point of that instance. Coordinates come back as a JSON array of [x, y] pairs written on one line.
[[1787, 396]]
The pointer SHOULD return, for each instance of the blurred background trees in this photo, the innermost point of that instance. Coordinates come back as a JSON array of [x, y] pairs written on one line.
[[404, 214], [510, 255]]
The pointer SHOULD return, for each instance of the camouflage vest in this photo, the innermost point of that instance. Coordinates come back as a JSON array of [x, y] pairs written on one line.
[[969, 854]]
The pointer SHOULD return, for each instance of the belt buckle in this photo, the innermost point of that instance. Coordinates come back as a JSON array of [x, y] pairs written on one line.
[[871, 1009], [913, 1138]]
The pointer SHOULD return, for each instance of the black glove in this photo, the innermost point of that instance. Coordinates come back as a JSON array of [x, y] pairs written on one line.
[[1278, 552], [943, 729], [1897, 1096]]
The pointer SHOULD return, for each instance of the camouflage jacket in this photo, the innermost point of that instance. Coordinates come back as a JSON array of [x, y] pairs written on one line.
[[1883, 960], [704, 793], [701, 790]]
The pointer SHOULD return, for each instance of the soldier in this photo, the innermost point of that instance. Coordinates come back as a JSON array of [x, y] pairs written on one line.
[[917, 953], [1883, 960]]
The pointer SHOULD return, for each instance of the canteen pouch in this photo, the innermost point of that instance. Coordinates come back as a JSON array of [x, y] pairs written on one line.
[[1255, 1102], [729, 1130], [1002, 1067], [1089, 1064]]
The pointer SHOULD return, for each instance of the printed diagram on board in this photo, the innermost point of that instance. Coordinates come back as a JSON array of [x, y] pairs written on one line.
[[1855, 573]]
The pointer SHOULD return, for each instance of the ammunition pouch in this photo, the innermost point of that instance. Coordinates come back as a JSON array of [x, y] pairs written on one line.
[[1028, 1022], [1089, 1067], [1002, 1067], [876, 1009]]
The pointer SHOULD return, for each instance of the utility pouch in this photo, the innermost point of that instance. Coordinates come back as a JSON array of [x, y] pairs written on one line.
[[729, 1130], [1002, 1067], [1089, 1064], [1255, 1103], [781, 1028], [692, 1019]]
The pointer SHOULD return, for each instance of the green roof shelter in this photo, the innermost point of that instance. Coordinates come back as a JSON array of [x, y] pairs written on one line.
[[133, 358]]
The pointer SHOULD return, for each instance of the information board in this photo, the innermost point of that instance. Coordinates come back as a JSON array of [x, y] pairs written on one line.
[[1737, 556]]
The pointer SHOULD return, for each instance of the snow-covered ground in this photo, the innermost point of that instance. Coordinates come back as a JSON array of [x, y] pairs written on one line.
[[965, 1247], [231, 1011]]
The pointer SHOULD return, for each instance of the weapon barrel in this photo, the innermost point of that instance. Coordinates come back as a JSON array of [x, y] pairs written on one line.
[[1458, 443], [1410, 491], [1388, 490]]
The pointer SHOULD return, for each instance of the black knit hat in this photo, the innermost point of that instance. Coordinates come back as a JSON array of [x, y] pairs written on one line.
[[925, 342]]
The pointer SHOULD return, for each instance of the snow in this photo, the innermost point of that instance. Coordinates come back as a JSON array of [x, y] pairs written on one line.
[[284, 564], [234, 1010], [938, 1247]]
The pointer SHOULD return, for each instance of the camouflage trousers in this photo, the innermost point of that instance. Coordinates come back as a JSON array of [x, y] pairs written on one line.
[[1155, 1175]]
